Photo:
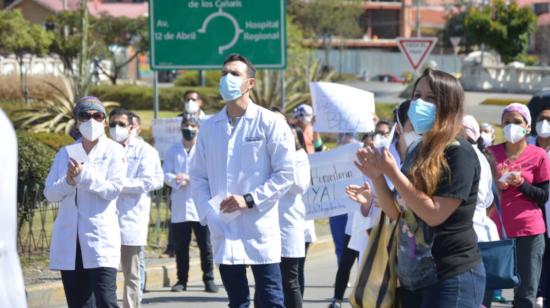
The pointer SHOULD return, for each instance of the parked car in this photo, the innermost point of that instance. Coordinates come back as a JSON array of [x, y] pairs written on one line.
[[387, 78]]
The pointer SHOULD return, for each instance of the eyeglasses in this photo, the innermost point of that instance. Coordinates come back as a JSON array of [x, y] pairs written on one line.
[[85, 116], [116, 123]]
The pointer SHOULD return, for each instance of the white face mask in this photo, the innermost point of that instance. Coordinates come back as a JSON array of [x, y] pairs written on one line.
[[91, 130], [191, 106], [411, 137], [119, 134], [543, 128], [514, 133], [487, 139]]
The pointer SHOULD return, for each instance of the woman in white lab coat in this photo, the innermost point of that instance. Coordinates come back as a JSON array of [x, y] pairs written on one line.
[[292, 212], [86, 179]]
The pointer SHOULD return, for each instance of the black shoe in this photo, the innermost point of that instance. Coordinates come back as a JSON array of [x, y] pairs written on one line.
[[210, 287], [179, 287], [335, 304]]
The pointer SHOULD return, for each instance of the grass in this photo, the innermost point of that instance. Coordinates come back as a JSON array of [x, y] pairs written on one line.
[[148, 115], [504, 101]]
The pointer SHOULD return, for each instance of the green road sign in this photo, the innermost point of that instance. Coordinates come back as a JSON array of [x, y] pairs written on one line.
[[199, 34]]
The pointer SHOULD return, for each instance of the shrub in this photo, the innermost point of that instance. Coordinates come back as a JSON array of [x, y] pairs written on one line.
[[35, 160], [137, 97], [191, 79], [54, 141], [10, 87]]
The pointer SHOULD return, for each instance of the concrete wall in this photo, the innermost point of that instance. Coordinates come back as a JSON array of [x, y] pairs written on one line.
[[374, 62]]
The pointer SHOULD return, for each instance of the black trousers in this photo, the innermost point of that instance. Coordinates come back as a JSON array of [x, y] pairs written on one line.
[[182, 238], [344, 269], [94, 287], [290, 271]]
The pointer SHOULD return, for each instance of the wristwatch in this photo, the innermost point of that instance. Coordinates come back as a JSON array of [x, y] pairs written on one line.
[[249, 200]]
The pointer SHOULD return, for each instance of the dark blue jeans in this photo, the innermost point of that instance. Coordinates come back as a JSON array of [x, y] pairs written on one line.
[[338, 231], [465, 290], [417, 298], [269, 289], [89, 288]]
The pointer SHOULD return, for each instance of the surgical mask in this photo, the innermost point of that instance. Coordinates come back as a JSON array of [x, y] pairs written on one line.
[[422, 115], [487, 139], [191, 106], [543, 128], [91, 130], [514, 133], [411, 138], [119, 133], [230, 87], [188, 133], [381, 141]]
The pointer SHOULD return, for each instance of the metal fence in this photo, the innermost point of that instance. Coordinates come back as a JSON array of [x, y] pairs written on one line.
[[35, 218]]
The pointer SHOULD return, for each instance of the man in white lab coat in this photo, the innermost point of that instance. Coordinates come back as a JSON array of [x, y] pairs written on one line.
[[12, 290], [134, 204], [185, 219], [86, 179], [243, 164]]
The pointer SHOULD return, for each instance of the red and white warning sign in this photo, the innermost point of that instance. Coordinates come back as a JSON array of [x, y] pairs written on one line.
[[416, 49]]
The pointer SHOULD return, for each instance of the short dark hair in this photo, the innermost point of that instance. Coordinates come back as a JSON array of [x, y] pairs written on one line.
[[250, 69], [121, 111], [383, 122], [190, 119], [400, 113], [192, 91], [136, 116]]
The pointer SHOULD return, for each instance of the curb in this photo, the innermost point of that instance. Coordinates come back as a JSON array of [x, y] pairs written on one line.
[[158, 276]]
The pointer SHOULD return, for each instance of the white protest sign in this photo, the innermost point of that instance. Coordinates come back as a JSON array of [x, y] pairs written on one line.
[[416, 49], [341, 109], [166, 132], [331, 172]]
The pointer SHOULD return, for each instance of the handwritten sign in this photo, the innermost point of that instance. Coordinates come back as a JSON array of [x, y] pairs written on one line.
[[331, 172], [166, 132], [342, 109]]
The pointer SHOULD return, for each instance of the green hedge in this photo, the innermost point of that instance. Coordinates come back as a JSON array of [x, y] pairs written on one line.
[[54, 141], [191, 79], [137, 97]]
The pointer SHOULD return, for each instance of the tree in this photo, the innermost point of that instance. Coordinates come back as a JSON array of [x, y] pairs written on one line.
[[19, 37], [117, 34], [506, 28], [67, 36], [542, 41], [325, 19]]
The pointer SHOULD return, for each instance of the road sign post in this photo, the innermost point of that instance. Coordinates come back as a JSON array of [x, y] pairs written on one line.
[[199, 34], [416, 50]]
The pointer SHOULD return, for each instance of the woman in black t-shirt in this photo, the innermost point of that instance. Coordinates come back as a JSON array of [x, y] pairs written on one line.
[[439, 187]]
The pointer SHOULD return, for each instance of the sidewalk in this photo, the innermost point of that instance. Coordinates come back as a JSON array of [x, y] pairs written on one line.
[[159, 275]]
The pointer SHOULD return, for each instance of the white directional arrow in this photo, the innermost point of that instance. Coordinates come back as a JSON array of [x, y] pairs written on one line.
[[238, 31]]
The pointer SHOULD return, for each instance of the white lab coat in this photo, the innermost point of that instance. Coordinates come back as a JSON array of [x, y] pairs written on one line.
[[94, 214], [134, 204], [292, 210], [485, 228], [12, 289], [310, 235], [255, 157], [177, 161]]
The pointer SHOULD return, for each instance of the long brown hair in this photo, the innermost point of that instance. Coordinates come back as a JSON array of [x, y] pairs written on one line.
[[449, 98]]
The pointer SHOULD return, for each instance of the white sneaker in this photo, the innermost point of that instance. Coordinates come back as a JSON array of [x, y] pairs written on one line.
[[540, 302]]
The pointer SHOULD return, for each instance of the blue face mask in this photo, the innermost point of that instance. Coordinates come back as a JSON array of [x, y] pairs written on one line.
[[230, 87], [422, 115]]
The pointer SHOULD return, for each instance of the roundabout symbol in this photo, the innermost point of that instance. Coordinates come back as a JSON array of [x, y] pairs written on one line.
[[232, 19]]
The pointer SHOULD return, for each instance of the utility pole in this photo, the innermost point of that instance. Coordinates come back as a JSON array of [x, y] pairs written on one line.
[[83, 61], [417, 18]]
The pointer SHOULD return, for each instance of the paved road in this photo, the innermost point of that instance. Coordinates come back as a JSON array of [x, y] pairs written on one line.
[[320, 272]]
